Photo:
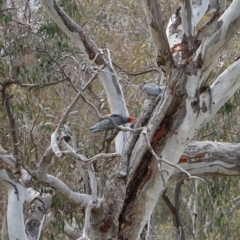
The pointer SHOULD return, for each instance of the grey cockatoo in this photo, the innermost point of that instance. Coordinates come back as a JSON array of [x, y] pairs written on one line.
[[151, 89], [106, 124]]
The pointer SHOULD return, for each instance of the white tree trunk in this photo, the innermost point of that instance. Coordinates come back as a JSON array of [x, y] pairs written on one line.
[[16, 198], [195, 111]]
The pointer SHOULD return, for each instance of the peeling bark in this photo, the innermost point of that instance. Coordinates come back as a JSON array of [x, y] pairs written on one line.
[[34, 223], [209, 159]]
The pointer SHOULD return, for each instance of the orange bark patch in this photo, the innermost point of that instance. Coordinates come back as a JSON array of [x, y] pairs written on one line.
[[106, 225], [183, 159], [145, 179], [159, 134], [90, 51], [176, 48]]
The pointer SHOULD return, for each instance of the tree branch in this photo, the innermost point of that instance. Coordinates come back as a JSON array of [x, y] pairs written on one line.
[[41, 175], [71, 232], [209, 159], [158, 35], [225, 28], [61, 188], [87, 223], [225, 86]]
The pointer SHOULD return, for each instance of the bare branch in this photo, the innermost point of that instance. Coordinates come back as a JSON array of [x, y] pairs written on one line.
[[68, 150], [61, 188], [45, 161], [8, 82], [35, 146], [91, 80], [56, 136], [175, 210], [225, 86], [109, 79], [208, 159], [71, 232], [156, 118], [139, 72], [158, 35], [73, 30], [87, 223]]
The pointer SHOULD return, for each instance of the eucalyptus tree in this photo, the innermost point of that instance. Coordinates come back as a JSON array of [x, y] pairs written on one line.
[[120, 204]]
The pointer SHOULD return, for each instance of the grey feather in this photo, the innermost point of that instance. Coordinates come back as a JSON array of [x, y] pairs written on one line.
[[106, 124], [151, 89]]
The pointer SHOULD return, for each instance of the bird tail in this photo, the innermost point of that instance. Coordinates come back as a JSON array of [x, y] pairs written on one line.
[[93, 129]]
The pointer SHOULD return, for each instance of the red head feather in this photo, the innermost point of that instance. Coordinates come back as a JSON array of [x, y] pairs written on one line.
[[131, 119]]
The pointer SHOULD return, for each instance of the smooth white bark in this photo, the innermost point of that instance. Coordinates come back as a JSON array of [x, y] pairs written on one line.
[[71, 232], [31, 194], [199, 9], [7, 157], [4, 232], [187, 18], [64, 190], [16, 198]]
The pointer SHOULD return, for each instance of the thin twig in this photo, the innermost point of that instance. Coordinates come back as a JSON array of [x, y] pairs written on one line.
[[91, 79], [166, 161], [25, 85], [56, 62], [68, 150], [91, 105], [137, 73], [174, 165], [207, 135]]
